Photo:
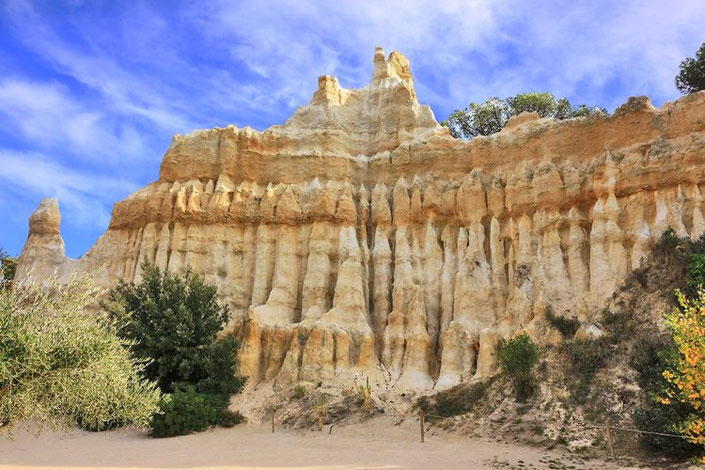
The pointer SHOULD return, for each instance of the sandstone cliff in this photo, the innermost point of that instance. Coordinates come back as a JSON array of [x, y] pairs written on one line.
[[359, 238]]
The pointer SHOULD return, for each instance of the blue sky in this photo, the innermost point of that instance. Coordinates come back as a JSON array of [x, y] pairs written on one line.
[[92, 92]]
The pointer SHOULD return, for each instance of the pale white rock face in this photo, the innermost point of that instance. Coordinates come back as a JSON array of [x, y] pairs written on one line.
[[360, 240]]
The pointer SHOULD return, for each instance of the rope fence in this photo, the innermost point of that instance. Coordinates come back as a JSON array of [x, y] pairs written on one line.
[[607, 428], [641, 432]]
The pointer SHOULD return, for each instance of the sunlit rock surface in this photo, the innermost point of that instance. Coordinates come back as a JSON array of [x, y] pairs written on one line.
[[359, 238]]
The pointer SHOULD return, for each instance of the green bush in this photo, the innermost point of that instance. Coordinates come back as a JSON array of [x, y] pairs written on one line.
[[649, 358], [620, 326], [567, 327], [585, 358], [696, 271], [517, 358], [187, 410], [666, 245], [58, 363], [174, 322], [457, 400]]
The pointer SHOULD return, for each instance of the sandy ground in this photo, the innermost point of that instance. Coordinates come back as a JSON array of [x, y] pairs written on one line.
[[375, 444]]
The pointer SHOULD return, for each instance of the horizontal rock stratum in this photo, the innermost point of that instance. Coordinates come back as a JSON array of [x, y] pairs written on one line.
[[360, 238]]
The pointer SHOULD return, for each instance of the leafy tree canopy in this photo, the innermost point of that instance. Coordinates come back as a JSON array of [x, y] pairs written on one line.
[[686, 368], [691, 77], [174, 322], [492, 115], [517, 358]]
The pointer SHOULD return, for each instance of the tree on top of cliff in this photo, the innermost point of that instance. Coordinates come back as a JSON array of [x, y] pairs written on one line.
[[492, 115], [692, 73]]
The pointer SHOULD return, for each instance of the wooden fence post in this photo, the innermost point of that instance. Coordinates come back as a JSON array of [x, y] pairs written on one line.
[[272, 420], [609, 438], [423, 423]]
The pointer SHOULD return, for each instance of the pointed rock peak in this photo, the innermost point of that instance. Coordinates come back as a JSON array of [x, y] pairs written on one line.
[[46, 219], [344, 191], [324, 204], [381, 245], [395, 66], [256, 189], [612, 205], [525, 222], [224, 184], [268, 202], [599, 208], [401, 185], [511, 228], [346, 212], [381, 67], [329, 91], [381, 212], [400, 64], [288, 210], [280, 188], [473, 181], [243, 187], [447, 234], [316, 184], [363, 194], [380, 190], [347, 244]]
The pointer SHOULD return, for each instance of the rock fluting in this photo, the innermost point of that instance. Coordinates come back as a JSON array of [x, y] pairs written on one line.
[[359, 238]]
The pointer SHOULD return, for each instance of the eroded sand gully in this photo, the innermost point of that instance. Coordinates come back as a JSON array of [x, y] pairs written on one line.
[[360, 239]]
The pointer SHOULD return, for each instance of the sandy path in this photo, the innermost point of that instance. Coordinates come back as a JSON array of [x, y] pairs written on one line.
[[373, 445]]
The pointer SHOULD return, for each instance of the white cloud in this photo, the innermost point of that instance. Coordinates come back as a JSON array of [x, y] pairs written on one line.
[[88, 64], [290, 44], [466, 49], [85, 197], [48, 116]]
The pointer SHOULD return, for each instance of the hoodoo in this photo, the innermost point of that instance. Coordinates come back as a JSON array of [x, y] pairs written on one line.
[[360, 238]]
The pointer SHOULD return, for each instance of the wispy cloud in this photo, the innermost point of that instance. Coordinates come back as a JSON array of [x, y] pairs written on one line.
[[85, 197], [597, 51], [49, 117]]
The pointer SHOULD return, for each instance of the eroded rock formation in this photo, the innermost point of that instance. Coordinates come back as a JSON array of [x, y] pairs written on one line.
[[360, 238]]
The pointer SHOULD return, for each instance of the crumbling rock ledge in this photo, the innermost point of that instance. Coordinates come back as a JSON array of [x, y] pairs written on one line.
[[360, 239]]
